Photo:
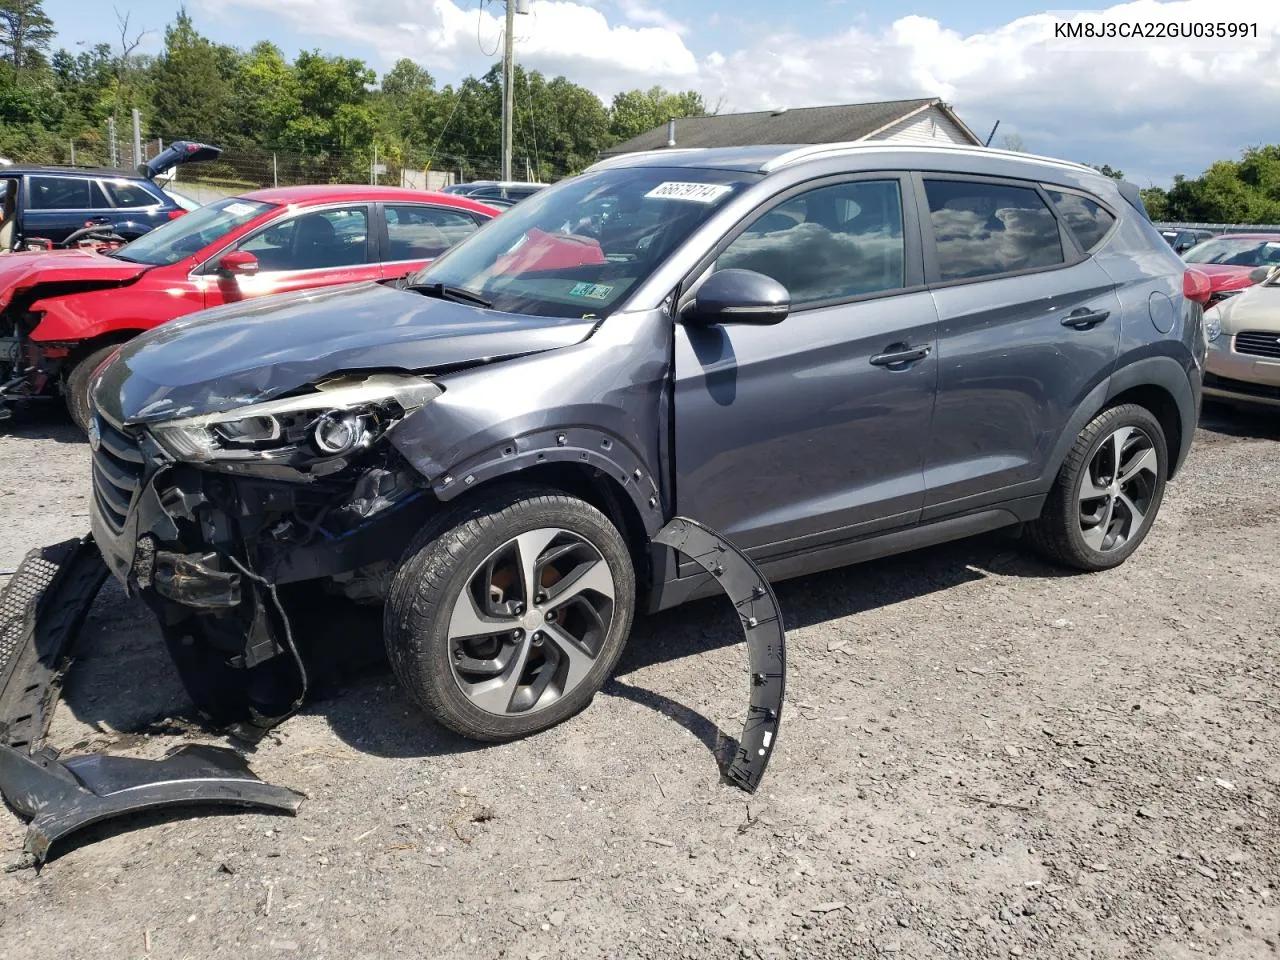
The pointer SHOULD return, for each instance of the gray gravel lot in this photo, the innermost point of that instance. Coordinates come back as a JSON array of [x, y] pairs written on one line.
[[980, 757]]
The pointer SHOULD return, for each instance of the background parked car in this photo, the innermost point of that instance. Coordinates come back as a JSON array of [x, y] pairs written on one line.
[[49, 204], [62, 312], [1182, 240], [1229, 260], [1243, 363], [499, 193]]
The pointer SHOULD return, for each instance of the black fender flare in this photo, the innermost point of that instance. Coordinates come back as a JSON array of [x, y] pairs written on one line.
[[585, 446], [757, 608], [1160, 371]]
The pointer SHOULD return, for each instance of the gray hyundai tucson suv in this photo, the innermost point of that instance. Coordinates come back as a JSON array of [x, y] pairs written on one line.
[[823, 353]]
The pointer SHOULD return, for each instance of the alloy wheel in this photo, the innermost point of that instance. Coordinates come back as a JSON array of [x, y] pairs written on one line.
[[530, 623], [1117, 490]]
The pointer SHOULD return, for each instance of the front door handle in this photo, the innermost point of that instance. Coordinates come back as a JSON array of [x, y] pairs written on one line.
[[898, 355], [1085, 319]]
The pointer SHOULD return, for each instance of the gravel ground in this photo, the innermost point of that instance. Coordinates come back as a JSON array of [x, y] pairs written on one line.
[[980, 757]]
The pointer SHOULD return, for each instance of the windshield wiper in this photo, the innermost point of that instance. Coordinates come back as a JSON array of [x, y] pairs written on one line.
[[444, 292]]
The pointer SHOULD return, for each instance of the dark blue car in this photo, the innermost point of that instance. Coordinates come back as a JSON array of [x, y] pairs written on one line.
[[44, 206]]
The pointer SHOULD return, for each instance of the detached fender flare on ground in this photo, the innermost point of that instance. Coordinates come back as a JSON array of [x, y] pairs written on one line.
[[757, 608]]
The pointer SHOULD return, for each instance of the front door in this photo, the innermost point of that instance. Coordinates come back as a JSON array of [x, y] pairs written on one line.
[[1029, 324], [313, 248], [813, 431]]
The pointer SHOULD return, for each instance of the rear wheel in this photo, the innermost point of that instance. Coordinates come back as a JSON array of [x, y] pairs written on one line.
[[1108, 492], [506, 618], [76, 385]]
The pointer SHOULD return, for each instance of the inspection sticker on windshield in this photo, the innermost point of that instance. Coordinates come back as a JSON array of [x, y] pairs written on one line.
[[592, 291], [238, 209], [692, 192]]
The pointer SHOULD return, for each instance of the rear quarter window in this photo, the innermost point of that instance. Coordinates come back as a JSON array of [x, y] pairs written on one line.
[[1088, 220]]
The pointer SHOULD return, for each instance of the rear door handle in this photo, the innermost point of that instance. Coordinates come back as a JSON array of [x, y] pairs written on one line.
[[1085, 319], [899, 355]]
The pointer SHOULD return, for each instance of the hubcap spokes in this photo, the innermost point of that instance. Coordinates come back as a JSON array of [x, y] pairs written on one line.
[[1117, 489], [531, 621]]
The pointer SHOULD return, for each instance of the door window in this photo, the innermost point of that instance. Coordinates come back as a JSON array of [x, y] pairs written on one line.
[[60, 193], [982, 229], [124, 193], [1087, 219], [313, 241], [416, 232], [832, 243]]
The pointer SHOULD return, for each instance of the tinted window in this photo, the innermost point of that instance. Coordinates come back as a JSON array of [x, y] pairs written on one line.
[[1086, 218], [60, 193], [828, 244], [423, 233], [123, 193], [313, 241], [987, 228]]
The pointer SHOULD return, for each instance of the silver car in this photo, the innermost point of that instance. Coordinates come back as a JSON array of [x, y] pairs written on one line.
[[1243, 362]]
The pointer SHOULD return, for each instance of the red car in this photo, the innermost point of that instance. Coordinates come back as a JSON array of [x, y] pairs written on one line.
[[1228, 260], [63, 312]]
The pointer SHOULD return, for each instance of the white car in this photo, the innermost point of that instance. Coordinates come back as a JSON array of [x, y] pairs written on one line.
[[185, 202], [1243, 362]]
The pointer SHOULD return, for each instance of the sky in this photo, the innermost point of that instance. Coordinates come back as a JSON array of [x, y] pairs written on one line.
[[1150, 108]]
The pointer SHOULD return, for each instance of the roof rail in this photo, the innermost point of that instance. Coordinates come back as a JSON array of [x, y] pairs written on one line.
[[816, 150]]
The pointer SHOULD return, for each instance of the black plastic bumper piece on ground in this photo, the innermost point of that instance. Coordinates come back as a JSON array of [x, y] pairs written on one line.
[[61, 798], [757, 608], [42, 609]]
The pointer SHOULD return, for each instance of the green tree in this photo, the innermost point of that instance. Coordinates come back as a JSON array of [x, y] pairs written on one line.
[[1108, 171], [1156, 200], [25, 33], [635, 111], [188, 86]]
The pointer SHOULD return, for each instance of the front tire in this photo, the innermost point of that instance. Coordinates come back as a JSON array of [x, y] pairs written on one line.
[[76, 385], [1107, 493], [507, 615]]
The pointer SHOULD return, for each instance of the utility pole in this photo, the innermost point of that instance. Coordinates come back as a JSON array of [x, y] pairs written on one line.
[[111, 139], [137, 137], [508, 87], [509, 81]]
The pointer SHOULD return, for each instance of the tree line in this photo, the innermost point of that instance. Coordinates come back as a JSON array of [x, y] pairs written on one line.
[[329, 114]]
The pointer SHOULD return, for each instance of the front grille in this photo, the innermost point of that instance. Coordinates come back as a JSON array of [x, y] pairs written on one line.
[[117, 472], [1242, 387], [1259, 344]]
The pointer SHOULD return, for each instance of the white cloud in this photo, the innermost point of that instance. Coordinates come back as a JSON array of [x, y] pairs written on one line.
[[1154, 109]]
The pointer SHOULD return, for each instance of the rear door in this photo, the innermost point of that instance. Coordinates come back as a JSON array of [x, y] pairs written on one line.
[[796, 436], [135, 207], [312, 248], [416, 233], [1029, 324]]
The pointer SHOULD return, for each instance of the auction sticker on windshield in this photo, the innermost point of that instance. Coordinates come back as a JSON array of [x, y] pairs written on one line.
[[595, 291], [692, 192], [239, 209]]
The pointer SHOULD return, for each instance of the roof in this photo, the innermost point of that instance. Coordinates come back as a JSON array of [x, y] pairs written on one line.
[[767, 159], [330, 193], [842, 122], [105, 172]]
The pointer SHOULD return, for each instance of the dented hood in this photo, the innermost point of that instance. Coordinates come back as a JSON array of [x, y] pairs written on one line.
[[22, 271], [250, 352]]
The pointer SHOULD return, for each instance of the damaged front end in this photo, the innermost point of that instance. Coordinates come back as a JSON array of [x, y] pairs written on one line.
[[211, 518]]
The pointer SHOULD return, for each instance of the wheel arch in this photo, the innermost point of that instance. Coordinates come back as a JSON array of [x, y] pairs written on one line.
[[1161, 385]]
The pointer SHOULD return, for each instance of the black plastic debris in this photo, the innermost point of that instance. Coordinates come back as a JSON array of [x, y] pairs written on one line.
[[757, 608], [62, 797]]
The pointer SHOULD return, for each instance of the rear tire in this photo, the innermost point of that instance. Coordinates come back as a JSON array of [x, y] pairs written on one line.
[[76, 385], [508, 614], [1107, 493]]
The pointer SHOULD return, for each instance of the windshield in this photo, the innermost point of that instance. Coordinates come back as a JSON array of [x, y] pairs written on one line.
[[192, 232], [578, 248], [1237, 252]]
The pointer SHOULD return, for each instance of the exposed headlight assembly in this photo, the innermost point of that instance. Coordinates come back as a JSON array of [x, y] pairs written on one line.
[[1212, 325], [315, 431]]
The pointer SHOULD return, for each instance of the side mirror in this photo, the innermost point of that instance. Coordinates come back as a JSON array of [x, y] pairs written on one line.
[[739, 296], [238, 263], [1260, 274]]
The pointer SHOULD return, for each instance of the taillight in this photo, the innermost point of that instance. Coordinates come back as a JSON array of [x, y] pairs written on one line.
[[1196, 286], [175, 214]]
